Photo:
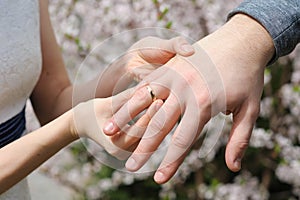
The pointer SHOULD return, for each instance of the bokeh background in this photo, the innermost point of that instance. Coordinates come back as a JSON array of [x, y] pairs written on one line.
[[271, 166]]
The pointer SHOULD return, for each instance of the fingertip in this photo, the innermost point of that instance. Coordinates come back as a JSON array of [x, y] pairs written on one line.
[[131, 164], [158, 104], [160, 177], [186, 49], [234, 165], [109, 128], [237, 165], [233, 159]]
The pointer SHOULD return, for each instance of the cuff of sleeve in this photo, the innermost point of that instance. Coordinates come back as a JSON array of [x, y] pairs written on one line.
[[280, 18]]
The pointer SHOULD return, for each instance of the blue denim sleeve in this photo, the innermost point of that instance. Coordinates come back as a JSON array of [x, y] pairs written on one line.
[[281, 18]]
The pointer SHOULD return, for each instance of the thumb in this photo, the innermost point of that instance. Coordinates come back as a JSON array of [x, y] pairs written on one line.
[[243, 123]]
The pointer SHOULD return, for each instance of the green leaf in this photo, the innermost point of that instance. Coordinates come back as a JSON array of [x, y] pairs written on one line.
[[296, 88], [163, 14], [168, 25]]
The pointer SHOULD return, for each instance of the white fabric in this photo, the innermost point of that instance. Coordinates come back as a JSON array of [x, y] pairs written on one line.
[[20, 65], [20, 54]]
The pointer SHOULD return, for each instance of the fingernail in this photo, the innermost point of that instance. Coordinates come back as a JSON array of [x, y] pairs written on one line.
[[237, 163], [159, 176], [187, 48], [130, 164], [109, 127]]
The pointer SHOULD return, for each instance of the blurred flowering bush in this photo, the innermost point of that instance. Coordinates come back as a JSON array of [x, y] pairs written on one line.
[[271, 167]]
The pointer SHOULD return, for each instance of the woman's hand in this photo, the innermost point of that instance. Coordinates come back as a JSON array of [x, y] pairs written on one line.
[[88, 119]]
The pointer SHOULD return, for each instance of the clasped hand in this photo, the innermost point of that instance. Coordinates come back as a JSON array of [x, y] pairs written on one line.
[[140, 60], [195, 88]]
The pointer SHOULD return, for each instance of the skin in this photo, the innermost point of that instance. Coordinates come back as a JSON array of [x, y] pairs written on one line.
[[52, 95], [49, 139], [62, 124], [224, 75]]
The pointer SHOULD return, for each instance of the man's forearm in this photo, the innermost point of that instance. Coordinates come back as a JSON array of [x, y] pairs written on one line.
[[242, 38], [280, 18]]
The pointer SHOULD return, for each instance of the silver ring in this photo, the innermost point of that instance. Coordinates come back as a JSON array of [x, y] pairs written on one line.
[[151, 93]]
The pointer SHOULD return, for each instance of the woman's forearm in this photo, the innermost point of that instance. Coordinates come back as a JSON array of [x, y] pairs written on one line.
[[21, 157], [53, 94]]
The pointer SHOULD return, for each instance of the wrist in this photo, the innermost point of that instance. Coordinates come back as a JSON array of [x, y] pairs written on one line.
[[72, 132], [242, 38]]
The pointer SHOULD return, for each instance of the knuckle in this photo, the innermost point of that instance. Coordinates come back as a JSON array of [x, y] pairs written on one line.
[[157, 125], [203, 98], [143, 150], [191, 77], [181, 142], [242, 145], [239, 145], [204, 102], [140, 94], [136, 132], [144, 120], [140, 150]]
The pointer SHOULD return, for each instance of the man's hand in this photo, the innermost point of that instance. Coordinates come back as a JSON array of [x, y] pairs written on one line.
[[224, 75]]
